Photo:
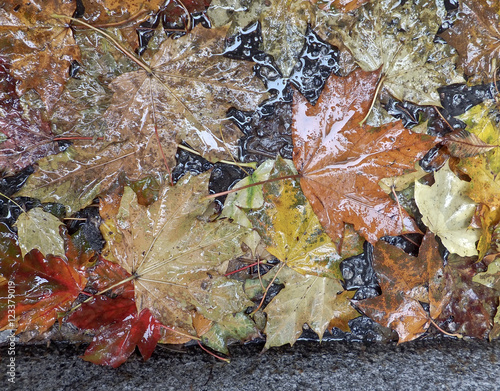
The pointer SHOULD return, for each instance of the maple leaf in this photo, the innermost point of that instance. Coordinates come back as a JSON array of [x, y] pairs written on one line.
[[482, 121], [402, 278], [39, 229], [44, 286], [401, 41], [447, 211], [117, 325], [237, 327], [305, 299], [341, 161], [484, 189], [185, 98], [26, 137], [475, 35], [466, 306], [113, 345], [177, 260], [40, 48], [291, 230]]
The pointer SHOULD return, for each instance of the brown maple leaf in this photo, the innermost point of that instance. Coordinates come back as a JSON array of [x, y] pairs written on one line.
[[39, 47], [341, 161], [184, 98], [476, 37]]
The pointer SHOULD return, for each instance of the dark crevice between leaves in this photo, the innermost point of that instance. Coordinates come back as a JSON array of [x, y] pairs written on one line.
[[87, 231], [358, 273]]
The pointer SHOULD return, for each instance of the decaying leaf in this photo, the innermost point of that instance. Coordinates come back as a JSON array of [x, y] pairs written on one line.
[[462, 143], [447, 211], [305, 299], [341, 161], [185, 99], [25, 137], [178, 259], [475, 35], [401, 42], [402, 278], [341, 5], [39, 47], [39, 229]]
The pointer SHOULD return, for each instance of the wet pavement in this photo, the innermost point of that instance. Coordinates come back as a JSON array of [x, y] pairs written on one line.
[[421, 365]]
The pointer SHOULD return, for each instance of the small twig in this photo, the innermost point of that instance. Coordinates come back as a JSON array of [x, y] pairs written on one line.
[[14, 202], [117, 24], [75, 218], [442, 117], [114, 41], [379, 85], [239, 164], [234, 190], [460, 336], [213, 354], [267, 289], [399, 206]]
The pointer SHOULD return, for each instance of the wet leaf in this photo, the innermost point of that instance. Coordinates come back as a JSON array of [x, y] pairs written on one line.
[[178, 259], [402, 278], [401, 42], [475, 35], [44, 286], [290, 229], [39, 229], [491, 277], [341, 162], [341, 5], [468, 308], [483, 121], [186, 99], [39, 47], [232, 327], [305, 299], [25, 136], [447, 211], [117, 342], [462, 143]]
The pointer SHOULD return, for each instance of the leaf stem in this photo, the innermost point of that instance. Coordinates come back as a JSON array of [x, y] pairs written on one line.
[[234, 190], [267, 289], [460, 336], [239, 164], [379, 85], [108, 36], [213, 354], [14, 202]]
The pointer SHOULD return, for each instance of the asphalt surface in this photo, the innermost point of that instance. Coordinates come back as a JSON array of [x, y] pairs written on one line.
[[420, 365]]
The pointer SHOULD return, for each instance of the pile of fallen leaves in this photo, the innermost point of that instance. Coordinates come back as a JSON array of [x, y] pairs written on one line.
[[362, 136]]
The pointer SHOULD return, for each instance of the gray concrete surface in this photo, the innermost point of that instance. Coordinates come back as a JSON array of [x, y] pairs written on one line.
[[421, 365]]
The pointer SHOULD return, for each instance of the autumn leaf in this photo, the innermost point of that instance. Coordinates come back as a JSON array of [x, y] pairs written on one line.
[[475, 35], [402, 278], [39, 229], [291, 230], [401, 42], [177, 260], [484, 189], [44, 287], [447, 211], [341, 161], [468, 308], [113, 345], [482, 121], [39, 47], [462, 143], [233, 327], [25, 137], [305, 299], [147, 108]]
